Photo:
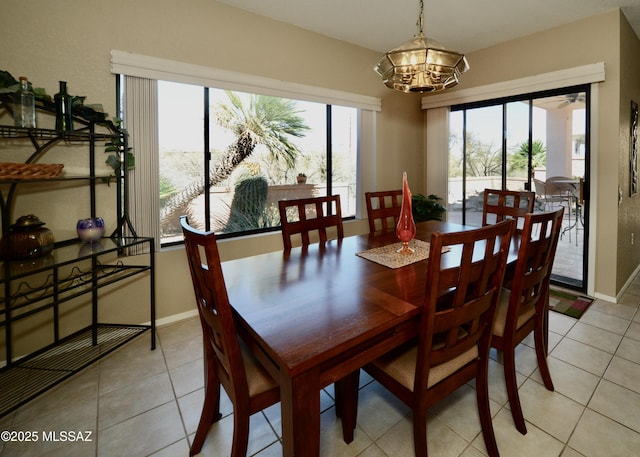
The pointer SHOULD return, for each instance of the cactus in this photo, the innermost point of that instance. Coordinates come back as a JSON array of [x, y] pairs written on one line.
[[248, 205]]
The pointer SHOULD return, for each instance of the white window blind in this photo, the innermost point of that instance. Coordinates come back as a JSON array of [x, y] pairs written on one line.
[[140, 106], [437, 147]]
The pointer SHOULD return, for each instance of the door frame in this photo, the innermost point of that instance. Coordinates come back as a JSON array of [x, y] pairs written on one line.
[[564, 281]]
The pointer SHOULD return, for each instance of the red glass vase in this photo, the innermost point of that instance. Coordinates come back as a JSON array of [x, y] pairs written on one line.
[[406, 228]]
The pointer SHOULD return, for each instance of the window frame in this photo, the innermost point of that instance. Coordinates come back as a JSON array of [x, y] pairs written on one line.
[[154, 69]]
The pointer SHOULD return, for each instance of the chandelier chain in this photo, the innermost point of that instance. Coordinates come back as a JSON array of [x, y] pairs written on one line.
[[420, 22]]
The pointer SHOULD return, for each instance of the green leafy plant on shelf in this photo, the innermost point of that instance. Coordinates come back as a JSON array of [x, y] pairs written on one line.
[[427, 208], [115, 147], [89, 112]]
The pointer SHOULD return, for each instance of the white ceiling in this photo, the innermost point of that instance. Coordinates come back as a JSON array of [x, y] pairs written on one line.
[[461, 25]]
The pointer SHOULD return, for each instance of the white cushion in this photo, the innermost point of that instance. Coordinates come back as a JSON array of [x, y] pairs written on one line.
[[258, 379], [401, 365], [501, 314]]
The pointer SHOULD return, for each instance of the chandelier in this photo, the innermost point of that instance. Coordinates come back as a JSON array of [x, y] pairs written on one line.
[[421, 64]]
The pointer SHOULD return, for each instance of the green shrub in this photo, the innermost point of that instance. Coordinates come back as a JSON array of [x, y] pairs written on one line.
[[427, 208]]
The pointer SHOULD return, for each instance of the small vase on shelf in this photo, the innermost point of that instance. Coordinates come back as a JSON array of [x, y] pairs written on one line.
[[91, 229], [64, 118], [24, 112], [406, 228]]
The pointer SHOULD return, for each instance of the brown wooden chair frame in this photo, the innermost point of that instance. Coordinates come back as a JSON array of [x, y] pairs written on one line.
[[524, 308], [510, 204], [311, 216], [455, 328], [226, 362], [383, 206]]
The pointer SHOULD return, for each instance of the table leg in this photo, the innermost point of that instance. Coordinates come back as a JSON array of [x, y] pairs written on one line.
[[300, 404], [347, 403]]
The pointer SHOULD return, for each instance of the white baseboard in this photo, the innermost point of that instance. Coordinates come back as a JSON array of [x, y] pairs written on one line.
[[174, 318]]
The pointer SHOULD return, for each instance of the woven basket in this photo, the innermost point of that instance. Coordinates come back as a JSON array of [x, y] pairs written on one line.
[[9, 171]]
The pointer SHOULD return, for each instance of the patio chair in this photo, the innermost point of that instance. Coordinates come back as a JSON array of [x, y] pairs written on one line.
[[546, 199], [560, 192]]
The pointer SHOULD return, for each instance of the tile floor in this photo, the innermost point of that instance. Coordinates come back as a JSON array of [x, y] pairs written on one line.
[[137, 402]]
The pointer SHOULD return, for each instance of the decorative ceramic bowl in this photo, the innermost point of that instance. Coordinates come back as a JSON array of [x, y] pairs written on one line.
[[27, 239], [91, 229]]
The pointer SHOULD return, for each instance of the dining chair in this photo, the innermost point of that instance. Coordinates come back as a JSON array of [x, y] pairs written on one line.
[[306, 216], [454, 335], [383, 209], [498, 205], [523, 308], [227, 361]]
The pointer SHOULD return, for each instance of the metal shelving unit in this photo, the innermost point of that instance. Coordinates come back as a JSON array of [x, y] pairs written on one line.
[[41, 286]]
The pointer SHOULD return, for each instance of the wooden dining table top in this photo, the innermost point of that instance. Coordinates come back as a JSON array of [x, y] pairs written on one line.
[[304, 303], [317, 313]]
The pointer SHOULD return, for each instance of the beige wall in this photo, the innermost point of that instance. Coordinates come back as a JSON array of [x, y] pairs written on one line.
[[629, 211], [49, 42]]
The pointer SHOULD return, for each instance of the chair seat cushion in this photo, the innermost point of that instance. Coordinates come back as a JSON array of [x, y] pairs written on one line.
[[401, 365], [258, 379], [501, 314]]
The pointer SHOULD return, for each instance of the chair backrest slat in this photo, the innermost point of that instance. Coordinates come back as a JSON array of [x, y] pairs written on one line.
[[462, 291], [383, 209], [310, 215], [499, 205], [532, 274]]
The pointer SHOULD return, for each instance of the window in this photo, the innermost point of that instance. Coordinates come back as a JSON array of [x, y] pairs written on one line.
[[227, 157], [175, 103], [509, 143], [535, 142]]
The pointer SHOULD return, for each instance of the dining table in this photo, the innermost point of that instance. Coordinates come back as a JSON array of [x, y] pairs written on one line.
[[315, 315]]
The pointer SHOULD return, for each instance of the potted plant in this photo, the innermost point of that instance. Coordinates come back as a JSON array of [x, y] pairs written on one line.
[[302, 178], [427, 208]]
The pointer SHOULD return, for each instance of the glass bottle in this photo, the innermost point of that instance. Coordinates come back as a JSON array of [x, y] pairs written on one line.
[[406, 228], [24, 111], [64, 119]]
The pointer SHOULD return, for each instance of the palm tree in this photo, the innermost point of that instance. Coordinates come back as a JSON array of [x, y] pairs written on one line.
[[260, 120], [520, 159]]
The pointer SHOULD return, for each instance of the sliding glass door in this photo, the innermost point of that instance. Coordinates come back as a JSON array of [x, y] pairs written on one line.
[[535, 142]]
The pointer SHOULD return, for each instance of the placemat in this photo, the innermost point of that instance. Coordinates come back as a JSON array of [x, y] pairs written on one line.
[[389, 257]]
